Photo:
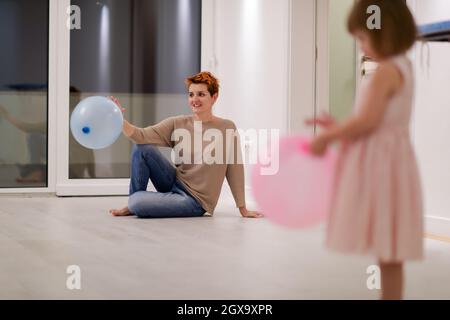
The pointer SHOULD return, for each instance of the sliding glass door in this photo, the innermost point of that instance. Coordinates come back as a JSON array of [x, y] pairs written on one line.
[[56, 53], [139, 51], [24, 29]]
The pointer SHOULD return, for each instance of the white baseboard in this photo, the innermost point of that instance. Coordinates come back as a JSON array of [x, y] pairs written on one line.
[[227, 197], [437, 225]]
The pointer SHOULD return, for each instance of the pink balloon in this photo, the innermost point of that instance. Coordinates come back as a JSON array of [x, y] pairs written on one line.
[[299, 194]]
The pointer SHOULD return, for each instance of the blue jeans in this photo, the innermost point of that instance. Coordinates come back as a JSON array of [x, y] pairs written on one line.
[[170, 200]]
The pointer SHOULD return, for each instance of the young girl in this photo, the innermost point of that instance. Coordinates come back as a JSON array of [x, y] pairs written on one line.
[[377, 204]]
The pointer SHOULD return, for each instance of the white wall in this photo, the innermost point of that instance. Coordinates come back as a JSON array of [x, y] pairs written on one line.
[[249, 46], [249, 40], [246, 46], [431, 120]]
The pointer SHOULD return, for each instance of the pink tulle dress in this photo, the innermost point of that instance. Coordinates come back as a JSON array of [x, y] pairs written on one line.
[[377, 199]]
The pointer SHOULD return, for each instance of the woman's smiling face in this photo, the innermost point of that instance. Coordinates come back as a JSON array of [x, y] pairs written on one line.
[[200, 100]]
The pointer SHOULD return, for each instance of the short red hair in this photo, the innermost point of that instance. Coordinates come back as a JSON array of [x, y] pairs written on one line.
[[207, 78]]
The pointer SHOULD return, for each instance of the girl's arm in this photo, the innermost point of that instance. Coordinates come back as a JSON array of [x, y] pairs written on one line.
[[386, 81], [325, 120]]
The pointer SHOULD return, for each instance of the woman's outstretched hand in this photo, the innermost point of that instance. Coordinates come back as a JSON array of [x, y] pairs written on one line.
[[128, 129], [250, 214], [116, 101]]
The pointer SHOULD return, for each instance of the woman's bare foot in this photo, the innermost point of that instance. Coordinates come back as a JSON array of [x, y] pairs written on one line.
[[120, 212]]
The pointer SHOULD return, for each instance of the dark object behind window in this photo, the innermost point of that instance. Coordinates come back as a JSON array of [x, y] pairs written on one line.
[[136, 46]]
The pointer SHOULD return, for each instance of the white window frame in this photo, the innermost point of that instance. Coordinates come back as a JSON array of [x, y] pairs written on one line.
[[65, 186], [52, 131]]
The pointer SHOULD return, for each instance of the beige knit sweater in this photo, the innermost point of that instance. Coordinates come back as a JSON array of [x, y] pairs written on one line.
[[202, 169]]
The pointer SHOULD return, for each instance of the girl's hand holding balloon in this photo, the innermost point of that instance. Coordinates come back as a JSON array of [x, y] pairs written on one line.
[[318, 145]]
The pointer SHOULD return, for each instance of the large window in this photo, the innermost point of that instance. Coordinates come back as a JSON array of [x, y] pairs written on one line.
[[23, 93], [139, 51]]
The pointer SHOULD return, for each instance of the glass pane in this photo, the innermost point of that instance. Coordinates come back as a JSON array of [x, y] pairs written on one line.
[[139, 51], [342, 60], [23, 93]]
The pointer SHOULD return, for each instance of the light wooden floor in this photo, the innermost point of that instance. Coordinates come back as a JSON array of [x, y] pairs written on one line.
[[220, 257]]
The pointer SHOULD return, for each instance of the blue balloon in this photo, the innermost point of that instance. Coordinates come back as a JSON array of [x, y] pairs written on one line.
[[96, 122]]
